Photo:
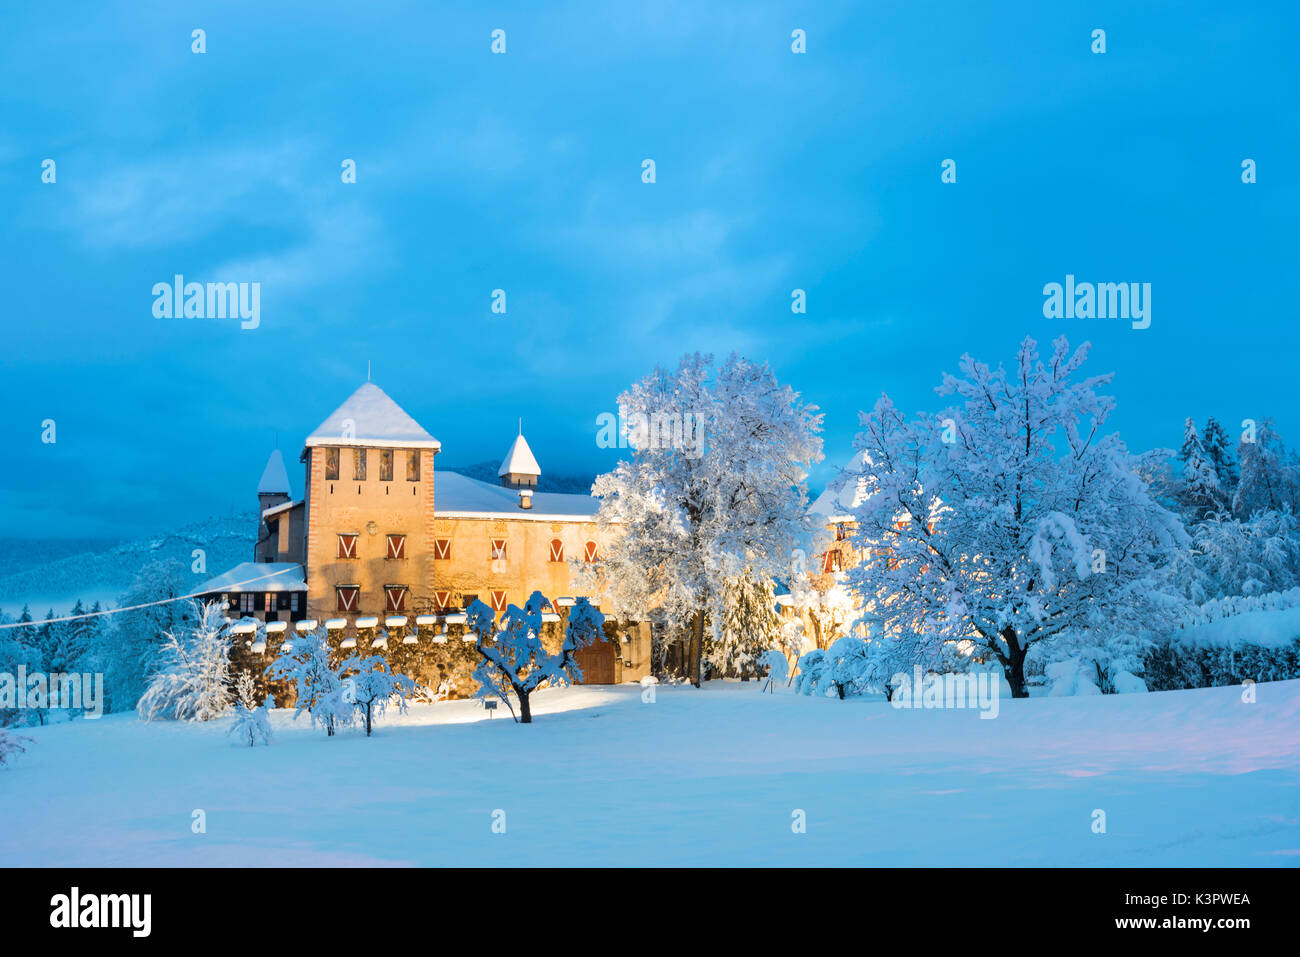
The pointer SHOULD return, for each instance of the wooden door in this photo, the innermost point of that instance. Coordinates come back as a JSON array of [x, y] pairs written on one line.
[[597, 663]]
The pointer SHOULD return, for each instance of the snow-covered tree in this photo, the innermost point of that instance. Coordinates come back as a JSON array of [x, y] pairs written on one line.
[[1218, 449], [1269, 478], [18, 649], [1011, 517], [252, 721], [1234, 556], [1199, 492], [750, 625], [681, 517], [513, 658], [830, 609], [371, 686], [316, 682], [129, 643], [842, 670], [193, 681]]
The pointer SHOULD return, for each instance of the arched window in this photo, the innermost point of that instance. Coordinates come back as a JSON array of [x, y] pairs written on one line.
[[589, 552], [557, 550]]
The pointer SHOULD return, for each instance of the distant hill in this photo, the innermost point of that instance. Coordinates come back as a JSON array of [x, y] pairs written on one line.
[[43, 575], [487, 472]]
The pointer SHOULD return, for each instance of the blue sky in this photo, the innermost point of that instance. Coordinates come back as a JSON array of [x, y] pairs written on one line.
[[775, 171]]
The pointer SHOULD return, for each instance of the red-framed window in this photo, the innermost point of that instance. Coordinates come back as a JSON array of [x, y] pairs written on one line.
[[442, 549], [498, 550], [395, 598], [590, 553], [832, 561], [396, 546], [441, 600], [557, 550], [348, 545], [498, 601], [348, 597]]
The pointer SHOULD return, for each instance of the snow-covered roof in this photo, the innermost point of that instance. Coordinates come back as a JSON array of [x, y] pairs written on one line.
[[274, 477], [369, 417], [520, 460], [257, 576], [282, 507], [458, 496], [845, 492]]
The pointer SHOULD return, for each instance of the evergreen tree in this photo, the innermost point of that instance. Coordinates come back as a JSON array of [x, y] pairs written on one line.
[[1268, 476], [1199, 493], [749, 626], [1214, 440]]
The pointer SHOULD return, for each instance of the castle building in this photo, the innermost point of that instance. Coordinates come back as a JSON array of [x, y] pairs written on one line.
[[385, 549]]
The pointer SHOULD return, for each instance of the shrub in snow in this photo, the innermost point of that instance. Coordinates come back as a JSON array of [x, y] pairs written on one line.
[[513, 658], [682, 517], [10, 745], [193, 681], [1095, 661], [776, 664], [371, 686], [317, 684], [1010, 517], [252, 721], [1258, 644], [842, 670], [1070, 677]]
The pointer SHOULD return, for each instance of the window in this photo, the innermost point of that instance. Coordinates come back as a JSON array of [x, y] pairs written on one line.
[[268, 603], [557, 550], [498, 549], [358, 465], [394, 598], [589, 552], [498, 601], [441, 600], [348, 597], [396, 546], [348, 545], [293, 601], [832, 562], [841, 532], [248, 602], [413, 465], [385, 465], [331, 465], [467, 600], [442, 549]]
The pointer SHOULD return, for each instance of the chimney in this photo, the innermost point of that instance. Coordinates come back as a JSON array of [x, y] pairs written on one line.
[[525, 498]]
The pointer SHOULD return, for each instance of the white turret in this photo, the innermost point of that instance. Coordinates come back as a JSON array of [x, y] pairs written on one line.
[[520, 468]]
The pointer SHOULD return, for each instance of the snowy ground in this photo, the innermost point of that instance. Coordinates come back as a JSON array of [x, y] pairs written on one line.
[[697, 778]]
